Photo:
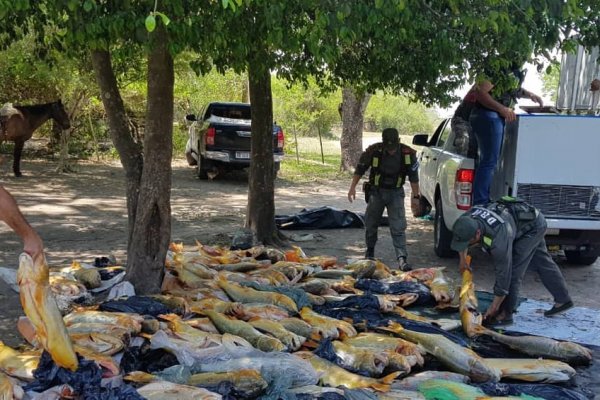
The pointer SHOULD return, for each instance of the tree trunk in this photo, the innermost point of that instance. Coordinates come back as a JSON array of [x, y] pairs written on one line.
[[130, 153], [147, 250], [261, 191], [353, 109]]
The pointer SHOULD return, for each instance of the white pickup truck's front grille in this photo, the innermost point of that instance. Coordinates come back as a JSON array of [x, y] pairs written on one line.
[[562, 201]]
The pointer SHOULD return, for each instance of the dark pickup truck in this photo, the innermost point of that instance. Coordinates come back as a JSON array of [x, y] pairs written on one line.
[[219, 139]]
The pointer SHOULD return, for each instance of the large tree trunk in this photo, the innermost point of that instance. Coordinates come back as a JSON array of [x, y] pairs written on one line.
[[130, 152], [148, 247], [353, 109], [261, 191]]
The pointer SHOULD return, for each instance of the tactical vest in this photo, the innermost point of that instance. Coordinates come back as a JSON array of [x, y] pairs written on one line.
[[376, 176]]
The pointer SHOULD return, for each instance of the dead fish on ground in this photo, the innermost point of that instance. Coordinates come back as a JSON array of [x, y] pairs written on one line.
[[360, 359], [335, 376], [532, 370], [289, 339], [297, 326], [440, 288], [220, 306], [133, 322], [17, 364], [41, 309], [243, 329], [455, 357], [268, 311], [163, 390], [249, 295], [538, 346], [327, 327], [102, 343], [245, 382], [187, 332], [412, 382], [390, 344]]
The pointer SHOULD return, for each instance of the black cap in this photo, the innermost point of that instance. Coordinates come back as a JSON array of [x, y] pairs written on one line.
[[390, 138], [463, 231]]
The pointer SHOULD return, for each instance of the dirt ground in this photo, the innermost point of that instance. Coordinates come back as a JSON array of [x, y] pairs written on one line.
[[82, 215]]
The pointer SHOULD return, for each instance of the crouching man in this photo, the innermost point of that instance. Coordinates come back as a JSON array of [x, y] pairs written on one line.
[[512, 233]]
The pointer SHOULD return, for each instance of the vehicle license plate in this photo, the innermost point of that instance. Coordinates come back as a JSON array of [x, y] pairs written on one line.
[[242, 154]]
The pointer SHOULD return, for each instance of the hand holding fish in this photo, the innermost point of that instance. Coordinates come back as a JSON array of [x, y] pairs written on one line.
[[33, 245], [494, 308]]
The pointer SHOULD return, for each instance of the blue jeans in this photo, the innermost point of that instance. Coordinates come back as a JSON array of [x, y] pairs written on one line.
[[488, 128]]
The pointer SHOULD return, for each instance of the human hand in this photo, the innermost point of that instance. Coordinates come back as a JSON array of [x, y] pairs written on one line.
[[508, 114], [491, 312], [465, 261], [33, 245], [415, 206], [352, 194], [537, 99]]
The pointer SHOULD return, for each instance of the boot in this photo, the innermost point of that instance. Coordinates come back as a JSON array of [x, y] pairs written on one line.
[[370, 253], [403, 265]]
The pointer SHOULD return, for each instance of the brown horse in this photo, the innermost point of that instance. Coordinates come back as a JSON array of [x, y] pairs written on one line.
[[22, 121]]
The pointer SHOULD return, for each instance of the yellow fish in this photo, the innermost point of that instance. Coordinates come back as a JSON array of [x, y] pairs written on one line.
[[41, 309], [332, 375]]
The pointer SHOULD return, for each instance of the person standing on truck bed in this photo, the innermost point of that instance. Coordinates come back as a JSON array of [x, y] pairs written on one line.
[[512, 233], [389, 162], [493, 108]]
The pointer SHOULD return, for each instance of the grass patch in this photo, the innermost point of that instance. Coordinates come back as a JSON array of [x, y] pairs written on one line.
[[308, 165]]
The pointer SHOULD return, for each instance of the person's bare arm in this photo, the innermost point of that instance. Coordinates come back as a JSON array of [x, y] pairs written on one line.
[[352, 191], [10, 213], [482, 94], [532, 96]]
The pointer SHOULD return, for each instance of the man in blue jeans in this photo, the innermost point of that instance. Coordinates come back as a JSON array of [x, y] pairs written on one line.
[[493, 109]]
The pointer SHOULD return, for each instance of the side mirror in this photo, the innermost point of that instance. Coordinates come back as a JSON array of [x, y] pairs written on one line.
[[191, 117], [420, 140]]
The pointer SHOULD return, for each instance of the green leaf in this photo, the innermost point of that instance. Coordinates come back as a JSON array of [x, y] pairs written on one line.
[[225, 3], [72, 5], [88, 5], [163, 17], [150, 23]]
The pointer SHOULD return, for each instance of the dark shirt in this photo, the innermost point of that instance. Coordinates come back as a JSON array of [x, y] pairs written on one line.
[[467, 105], [390, 165]]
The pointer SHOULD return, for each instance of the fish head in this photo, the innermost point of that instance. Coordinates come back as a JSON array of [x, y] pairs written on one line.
[[249, 382], [576, 353], [479, 371]]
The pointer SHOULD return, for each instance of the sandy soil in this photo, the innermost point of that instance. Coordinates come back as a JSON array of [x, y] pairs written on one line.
[[82, 216]]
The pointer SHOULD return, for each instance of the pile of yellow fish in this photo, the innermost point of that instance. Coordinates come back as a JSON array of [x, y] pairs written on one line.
[[245, 319]]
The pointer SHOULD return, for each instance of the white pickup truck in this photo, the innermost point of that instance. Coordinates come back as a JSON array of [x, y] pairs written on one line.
[[551, 161]]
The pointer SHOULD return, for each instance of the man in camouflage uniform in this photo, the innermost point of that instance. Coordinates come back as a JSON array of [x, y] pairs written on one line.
[[389, 162]]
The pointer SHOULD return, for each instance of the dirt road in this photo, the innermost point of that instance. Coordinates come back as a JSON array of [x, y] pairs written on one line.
[[82, 216]]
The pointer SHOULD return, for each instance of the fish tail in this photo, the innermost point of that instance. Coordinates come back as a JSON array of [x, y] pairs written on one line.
[[169, 317], [482, 330], [388, 379], [381, 387], [311, 344]]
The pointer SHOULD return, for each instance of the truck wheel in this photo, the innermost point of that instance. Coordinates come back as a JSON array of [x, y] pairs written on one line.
[[201, 170], [580, 258], [442, 235]]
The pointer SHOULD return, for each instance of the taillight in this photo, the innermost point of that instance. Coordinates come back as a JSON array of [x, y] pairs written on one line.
[[463, 188], [280, 139], [210, 136]]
